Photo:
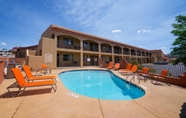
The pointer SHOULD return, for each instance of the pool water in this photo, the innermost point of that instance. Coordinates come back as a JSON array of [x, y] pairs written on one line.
[[101, 84]]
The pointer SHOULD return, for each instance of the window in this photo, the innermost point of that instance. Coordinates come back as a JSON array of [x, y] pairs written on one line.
[[40, 52], [58, 43], [103, 47], [110, 58], [67, 41], [67, 57], [117, 59], [85, 44], [52, 36], [85, 57], [103, 58]]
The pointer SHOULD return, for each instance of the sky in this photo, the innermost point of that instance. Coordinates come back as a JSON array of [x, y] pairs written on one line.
[[142, 23]]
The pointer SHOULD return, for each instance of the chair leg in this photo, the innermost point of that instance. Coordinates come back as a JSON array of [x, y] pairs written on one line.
[[17, 92], [14, 85], [10, 92], [54, 88], [132, 78], [127, 77], [20, 91]]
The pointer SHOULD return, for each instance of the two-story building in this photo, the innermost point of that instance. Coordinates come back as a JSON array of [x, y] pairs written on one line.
[[62, 47]]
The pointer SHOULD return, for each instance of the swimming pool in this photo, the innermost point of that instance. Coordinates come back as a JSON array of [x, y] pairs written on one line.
[[101, 84]]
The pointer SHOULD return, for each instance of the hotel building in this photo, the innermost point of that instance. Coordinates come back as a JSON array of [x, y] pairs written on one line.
[[62, 47]]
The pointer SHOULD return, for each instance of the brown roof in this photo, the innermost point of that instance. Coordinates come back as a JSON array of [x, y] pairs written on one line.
[[77, 33]]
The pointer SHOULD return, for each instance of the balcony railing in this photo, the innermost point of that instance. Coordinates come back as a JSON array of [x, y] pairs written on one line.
[[117, 52], [133, 53], [69, 47], [138, 54], [107, 51], [126, 53]]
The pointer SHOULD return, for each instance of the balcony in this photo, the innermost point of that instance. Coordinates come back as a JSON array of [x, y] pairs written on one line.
[[106, 50], [126, 52], [69, 47], [117, 52]]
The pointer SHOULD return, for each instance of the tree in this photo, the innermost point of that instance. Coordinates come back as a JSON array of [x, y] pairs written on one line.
[[179, 45]]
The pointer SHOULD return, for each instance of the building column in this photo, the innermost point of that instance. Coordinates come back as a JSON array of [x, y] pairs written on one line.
[[130, 55], [81, 53], [155, 58], [145, 57], [136, 55], [55, 53], [122, 52], [99, 48], [113, 54]]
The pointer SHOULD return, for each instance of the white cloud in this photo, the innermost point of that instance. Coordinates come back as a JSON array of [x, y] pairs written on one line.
[[163, 49], [143, 31], [134, 19], [115, 31], [138, 31], [3, 43], [142, 46]]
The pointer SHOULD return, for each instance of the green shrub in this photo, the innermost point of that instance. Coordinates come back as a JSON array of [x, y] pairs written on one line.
[[140, 66], [168, 74], [152, 70], [134, 62]]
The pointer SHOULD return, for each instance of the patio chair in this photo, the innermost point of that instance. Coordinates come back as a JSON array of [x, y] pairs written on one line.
[[144, 73], [46, 68], [133, 69], [39, 71], [30, 76], [22, 83], [160, 76], [110, 66], [128, 68], [116, 66], [131, 72]]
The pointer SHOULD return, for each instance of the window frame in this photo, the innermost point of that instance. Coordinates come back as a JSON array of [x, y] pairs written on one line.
[[67, 41], [67, 57]]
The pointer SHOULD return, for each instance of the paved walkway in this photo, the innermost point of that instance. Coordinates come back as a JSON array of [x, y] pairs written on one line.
[[160, 101]]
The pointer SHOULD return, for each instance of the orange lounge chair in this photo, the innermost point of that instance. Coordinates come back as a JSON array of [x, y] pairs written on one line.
[[144, 73], [39, 70], [128, 68], [160, 76], [117, 66], [46, 69], [110, 66], [131, 72], [22, 83], [30, 77]]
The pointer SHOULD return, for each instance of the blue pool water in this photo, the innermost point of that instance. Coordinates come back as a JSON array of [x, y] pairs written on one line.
[[100, 84]]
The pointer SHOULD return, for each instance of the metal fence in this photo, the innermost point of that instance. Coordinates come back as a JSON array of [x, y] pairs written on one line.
[[175, 70]]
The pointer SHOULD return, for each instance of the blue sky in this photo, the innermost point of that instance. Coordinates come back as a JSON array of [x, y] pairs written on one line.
[[142, 23]]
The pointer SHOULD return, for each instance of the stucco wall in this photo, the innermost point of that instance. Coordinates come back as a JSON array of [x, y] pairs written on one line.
[[47, 33], [49, 47], [34, 61], [1, 71], [32, 52], [2, 66]]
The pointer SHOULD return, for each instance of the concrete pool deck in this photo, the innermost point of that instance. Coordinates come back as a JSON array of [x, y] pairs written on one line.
[[160, 101]]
